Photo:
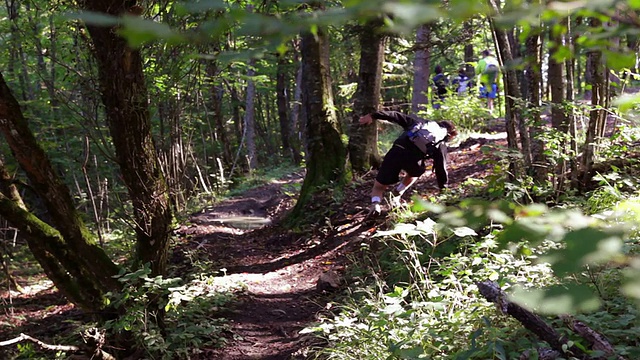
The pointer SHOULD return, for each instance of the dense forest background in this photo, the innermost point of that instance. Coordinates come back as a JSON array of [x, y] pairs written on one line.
[[120, 118]]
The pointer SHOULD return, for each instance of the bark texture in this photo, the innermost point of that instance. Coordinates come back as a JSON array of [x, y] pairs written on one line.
[[66, 250], [326, 159], [421, 67], [124, 95], [363, 140]]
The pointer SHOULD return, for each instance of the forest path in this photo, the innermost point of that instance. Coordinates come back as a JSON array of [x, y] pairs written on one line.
[[280, 268]]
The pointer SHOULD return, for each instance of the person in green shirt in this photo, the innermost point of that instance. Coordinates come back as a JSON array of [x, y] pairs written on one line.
[[488, 70]]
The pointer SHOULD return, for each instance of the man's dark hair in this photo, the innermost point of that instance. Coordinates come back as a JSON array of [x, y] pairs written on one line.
[[451, 129], [438, 69], [486, 52]]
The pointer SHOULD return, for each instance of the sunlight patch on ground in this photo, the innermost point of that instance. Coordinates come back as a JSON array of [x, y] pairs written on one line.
[[496, 136], [281, 281], [30, 290]]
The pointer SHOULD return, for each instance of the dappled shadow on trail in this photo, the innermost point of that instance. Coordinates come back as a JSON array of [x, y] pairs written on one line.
[[270, 325], [280, 268]]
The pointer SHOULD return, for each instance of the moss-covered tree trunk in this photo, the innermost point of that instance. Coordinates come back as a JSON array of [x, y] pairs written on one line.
[[65, 249], [124, 95], [363, 140], [326, 156]]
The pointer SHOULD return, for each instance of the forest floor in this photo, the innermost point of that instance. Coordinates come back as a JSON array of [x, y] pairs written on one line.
[[289, 277]]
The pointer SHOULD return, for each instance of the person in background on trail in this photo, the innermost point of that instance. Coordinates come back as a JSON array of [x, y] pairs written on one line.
[[461, 82], [421, 140], [488, 70], [440, 84]]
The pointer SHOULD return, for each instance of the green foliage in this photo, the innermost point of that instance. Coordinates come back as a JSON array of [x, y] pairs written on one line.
[[434, 310], [190, 321], [552, 261], [467, 112]]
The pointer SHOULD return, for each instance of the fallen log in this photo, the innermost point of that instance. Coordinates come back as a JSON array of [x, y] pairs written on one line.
[[532, 322]]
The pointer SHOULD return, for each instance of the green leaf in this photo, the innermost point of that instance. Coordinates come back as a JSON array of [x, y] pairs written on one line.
[[585, 246], [631, 286], [140, 31], [618, 60], [94, 18], [464, 231], [523, 230], [569, 299], [627, 102]]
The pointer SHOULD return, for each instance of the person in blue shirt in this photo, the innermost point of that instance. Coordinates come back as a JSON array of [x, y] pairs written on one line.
[[462, 82], [440, 86]]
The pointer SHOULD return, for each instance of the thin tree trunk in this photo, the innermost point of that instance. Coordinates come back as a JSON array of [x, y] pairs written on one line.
[[468, 51], [534, 74], [557, 86], [250, 118], [363, 140], [421, 69], [596, 114], [513, 116], [296, 111], [282, 101]]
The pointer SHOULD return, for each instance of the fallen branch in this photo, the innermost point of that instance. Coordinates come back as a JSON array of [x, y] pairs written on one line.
[[532, 322], [45, 346], [97, 353]]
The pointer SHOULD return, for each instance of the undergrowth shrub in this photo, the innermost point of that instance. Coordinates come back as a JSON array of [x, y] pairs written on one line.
[[189, 313], [420, 299], [428, 306]]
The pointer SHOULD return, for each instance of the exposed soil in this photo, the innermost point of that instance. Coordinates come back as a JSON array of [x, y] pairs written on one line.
[[279, 267]]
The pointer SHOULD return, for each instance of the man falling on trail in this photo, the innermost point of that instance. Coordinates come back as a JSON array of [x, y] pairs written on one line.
[[421, 140], [488, 70]]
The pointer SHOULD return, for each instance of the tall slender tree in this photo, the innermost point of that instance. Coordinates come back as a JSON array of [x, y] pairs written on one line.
[[363, 140], [421, 69]]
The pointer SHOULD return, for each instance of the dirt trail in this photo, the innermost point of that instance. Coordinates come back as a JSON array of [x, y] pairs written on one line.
[[281, 268]]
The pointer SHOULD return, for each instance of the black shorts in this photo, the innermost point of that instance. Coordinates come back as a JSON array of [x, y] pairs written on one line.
[[398, 159]]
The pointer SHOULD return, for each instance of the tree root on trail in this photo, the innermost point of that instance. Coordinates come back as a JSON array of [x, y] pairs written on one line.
[[94, 339], [534, 323]]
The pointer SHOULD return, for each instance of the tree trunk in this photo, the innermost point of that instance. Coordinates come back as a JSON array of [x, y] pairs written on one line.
[[363, 140], [326, 152], [282, 102], [67, 253], [250, 119], [217, 92], [421, 69], [124, 95], [557, 87], [513, 116], [596, 114], [534, 80], [571, 116], [468, 50], [296, 110]]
